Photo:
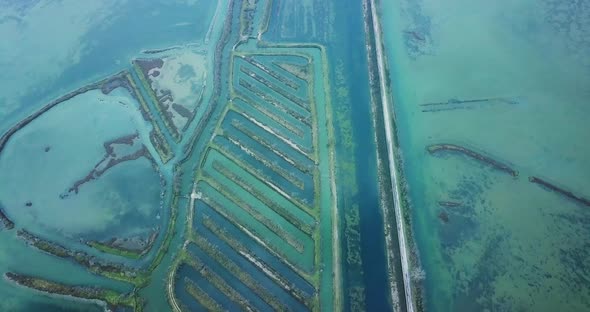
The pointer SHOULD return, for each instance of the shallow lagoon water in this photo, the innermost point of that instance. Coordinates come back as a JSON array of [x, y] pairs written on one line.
[[496, 78], [299, 22], [89, 40], [509, 244], [45, 159]]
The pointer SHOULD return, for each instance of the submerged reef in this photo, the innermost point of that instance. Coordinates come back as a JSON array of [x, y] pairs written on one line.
[[456, 104], [444, 217], [449, 204], [439, 148]]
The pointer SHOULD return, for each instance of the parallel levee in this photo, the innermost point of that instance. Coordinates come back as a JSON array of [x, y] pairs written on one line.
[[255, 219]]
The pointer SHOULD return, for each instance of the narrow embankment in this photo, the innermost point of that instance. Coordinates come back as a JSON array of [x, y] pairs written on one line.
[[389, 133]]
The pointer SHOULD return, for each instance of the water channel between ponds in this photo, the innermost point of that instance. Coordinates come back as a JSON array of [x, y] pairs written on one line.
[[304, 155]]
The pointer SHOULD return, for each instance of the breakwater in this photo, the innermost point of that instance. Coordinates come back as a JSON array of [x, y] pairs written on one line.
[[559, 190], [439, 148]]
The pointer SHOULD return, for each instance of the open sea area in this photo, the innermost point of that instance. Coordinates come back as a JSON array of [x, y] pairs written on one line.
[[294, 155]]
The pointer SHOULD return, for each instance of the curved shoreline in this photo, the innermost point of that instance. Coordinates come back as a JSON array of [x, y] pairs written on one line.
[[23, 123]]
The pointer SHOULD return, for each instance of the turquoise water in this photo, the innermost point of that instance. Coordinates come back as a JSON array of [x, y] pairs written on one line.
[[52, 48], [508, 244], [256, 150], [67, 144], [89, 40], [44, 159]]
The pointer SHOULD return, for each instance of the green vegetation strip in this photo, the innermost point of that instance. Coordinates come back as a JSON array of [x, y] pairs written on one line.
[[110, 248], [301, 72], [269, 145], [266, 180], [292, 98], [106, 248], [288, 82], [157, 137], [242, 250], [112, 298], [110, 270], [201, 296], [163, 250], [254, 213], [276, 103], [164, 114], [289, 176], [247, 13], [305, 150], [218, 282], [241, 274], [255, 105], [282, 211]]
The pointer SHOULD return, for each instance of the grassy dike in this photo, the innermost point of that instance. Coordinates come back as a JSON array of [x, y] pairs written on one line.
[[156, 136], [148, 89], [112, 298], [121, 252], [107, 269]]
